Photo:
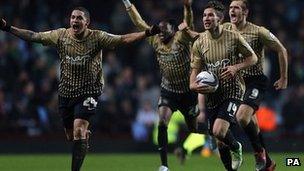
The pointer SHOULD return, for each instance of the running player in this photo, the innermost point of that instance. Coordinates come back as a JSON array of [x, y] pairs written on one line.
[[81, 79], [220, 51], [256, 82], [173, 55]]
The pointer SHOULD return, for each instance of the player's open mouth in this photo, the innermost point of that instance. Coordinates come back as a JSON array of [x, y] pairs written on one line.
[[207, 24], [233, 18], [76, 27], [161, 36]]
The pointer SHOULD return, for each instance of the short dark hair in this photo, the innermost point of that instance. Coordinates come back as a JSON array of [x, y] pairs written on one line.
[[84, 10], [245, 2], [218, 6], [172, 22]]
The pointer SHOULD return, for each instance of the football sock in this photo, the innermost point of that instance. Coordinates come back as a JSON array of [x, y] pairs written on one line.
[[268, 159], [230, 141], [79, 152], [180, 143], [225, 157], [252, 134], [162, 138]]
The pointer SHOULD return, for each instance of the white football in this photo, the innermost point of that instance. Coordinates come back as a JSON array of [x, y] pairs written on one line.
[[208, 78]]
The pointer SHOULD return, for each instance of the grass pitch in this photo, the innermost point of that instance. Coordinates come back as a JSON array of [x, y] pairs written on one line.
[[130, 162]]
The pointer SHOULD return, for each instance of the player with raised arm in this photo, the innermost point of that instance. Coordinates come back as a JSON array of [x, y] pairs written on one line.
[[173, 55], [220, 51], [256, 82], [81, 78]]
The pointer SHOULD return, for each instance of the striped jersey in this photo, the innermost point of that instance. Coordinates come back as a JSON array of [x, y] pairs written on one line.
[[213, 55], [173, 58], [257, 37], [80, 60], [174, 62]]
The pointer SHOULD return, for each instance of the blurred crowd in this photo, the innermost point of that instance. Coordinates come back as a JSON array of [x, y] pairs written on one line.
[[29, 72]]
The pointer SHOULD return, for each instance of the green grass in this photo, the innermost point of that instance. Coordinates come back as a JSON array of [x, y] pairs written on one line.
[[130, 162]]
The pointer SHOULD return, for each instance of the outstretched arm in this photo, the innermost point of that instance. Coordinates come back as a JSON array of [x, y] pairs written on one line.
[[129, 38], [21, 33], [188, 13], [132, 37], [135, 16]]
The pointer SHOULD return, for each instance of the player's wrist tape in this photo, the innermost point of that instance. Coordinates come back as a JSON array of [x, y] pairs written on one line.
[[7, 28], [148, 33], [127, 3], [152, 31]]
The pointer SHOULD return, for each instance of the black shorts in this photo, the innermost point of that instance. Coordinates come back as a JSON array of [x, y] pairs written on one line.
[[81, 107], [255, 90], [186, 103], [226, 111]]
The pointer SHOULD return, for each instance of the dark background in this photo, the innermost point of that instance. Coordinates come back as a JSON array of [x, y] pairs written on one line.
[[29, 72]]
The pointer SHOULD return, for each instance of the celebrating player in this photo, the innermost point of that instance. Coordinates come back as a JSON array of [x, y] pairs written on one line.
[[173, 55], [81, 79], [219, 51], [256, 82]]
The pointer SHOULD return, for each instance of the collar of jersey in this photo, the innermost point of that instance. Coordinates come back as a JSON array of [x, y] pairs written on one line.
[[215, 39], [82, 40]]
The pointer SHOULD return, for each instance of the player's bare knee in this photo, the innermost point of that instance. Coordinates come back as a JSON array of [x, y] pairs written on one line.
[[79, 133], [219, 133], [243, 118]]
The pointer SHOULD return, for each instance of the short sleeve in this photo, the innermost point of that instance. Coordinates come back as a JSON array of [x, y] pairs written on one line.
[[50, 38], [108, 40], [196, 56], [243, 47], [267, 38]]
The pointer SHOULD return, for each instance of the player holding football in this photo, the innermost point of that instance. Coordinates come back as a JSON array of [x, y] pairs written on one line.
[[256, 82], [81, 79], [220, 51], [173, 55]]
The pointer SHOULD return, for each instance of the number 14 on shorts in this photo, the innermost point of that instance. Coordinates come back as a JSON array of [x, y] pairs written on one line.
[[232, 108]]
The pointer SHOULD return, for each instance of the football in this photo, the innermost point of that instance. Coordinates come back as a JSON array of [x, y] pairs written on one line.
[[208, 78]]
